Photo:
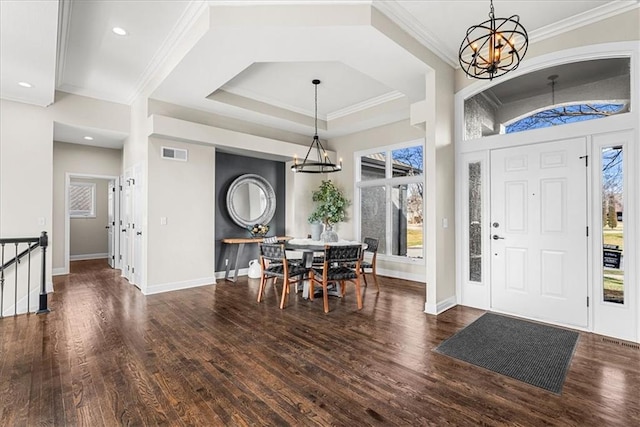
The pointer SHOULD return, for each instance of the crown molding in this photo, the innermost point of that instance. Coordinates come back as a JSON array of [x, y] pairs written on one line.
[[64, 17], [401, 16], [364, 105], [253, 96], [589, 17], [178, 32]]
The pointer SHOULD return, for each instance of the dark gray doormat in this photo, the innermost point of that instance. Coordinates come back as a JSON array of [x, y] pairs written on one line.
[[530, 352]]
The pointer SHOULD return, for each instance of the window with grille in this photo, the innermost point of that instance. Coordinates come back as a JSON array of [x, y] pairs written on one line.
[[390, 182], [82, 200]]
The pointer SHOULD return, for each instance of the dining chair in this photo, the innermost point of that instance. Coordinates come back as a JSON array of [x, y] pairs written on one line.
[[274, 265], [335, 270], [372, 248]]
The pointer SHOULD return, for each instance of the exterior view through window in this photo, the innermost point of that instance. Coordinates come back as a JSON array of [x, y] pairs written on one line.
[[391, 188], [613, 225], [554, 96]]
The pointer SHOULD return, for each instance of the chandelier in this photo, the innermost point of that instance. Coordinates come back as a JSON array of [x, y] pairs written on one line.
[[323, 164], [493, 47]]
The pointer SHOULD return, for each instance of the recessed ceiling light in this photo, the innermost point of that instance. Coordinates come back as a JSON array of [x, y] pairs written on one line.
[[119, 31], [24, 84], [88, 138]]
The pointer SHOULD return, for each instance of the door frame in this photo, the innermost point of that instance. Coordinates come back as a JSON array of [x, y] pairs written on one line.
[[478, 149], [67, 219]]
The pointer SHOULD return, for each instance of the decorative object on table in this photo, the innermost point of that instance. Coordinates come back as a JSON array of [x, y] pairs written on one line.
[[258, 230], [251, 200], [254, 269], [493, 47], [323, 163], [331, 206], [316, 230]]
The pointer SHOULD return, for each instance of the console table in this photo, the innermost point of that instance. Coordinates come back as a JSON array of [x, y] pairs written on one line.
[[239, 243]]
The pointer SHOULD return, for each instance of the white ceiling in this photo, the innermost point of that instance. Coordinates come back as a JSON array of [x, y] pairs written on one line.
[[252, 60]]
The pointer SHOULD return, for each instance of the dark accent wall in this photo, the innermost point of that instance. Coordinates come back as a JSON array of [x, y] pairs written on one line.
[[228, 168]]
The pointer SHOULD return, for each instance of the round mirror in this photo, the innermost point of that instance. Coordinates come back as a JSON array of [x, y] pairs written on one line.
[[251, 200]]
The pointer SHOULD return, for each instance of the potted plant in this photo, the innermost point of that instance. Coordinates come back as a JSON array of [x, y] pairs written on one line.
[[331, 205]]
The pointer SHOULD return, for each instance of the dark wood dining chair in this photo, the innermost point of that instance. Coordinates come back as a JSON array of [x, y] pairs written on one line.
[[370, 263], [335, 270], [274, 265]]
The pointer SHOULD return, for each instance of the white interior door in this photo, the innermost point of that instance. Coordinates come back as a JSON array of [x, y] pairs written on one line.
[[539, 231], [136, 230], [111, 218], [125, 223]]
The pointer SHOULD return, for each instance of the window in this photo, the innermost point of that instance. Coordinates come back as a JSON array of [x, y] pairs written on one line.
[[555, 96], [613, 224], [390, 183], [82, 200]]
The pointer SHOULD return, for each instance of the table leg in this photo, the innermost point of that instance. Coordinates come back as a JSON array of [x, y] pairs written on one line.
[[236, 264], [307, 260], [227, 249]]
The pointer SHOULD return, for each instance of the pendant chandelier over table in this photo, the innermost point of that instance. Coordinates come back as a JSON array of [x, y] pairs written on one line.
[[323, 164]]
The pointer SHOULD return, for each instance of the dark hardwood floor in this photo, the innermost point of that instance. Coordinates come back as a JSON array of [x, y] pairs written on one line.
[[212, 356]]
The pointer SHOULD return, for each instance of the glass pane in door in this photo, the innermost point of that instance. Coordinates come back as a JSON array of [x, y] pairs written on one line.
[[612, 225]]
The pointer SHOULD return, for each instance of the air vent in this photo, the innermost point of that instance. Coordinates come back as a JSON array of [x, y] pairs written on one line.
[[173, 153], [622, 343]]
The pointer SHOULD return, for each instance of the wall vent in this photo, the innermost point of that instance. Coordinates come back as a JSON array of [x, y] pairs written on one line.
[[622, 343], [173, 153]]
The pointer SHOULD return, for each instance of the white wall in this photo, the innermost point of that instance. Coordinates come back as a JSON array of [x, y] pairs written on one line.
[[88, 236], [80, 159], [180, 253], [26, 160]]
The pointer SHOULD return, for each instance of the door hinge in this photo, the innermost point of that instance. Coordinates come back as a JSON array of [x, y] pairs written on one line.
[[113, 189], [121, 188], [113, 257], [133, 269], [587, 231], [120, 257], [586, 159], [587, 301]]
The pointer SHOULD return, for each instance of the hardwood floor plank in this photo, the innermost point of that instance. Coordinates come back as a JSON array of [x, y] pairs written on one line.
[[108, 355]]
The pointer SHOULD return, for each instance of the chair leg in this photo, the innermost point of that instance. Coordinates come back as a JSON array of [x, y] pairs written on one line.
[[375, 279], [364, 276], [358, 294], [325, 297], [285, 293], [343, 287], [311, 283], [263, 281]]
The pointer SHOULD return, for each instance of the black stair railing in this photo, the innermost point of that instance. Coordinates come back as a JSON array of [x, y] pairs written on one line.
[[31, 244]]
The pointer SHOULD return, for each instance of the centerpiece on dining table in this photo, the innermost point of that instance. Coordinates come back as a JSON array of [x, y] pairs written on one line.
[[258, 230], [330, 209]]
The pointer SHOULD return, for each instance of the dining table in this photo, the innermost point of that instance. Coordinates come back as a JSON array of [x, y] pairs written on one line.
[[308, 247]]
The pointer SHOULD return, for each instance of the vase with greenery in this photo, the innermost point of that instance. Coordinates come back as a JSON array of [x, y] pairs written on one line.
[[331, 208]]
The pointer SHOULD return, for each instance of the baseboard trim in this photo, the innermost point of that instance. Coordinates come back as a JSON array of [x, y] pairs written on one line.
[[400, 275], [440, 307], [241, 272], [59, 271], [176, 286], [85, 257]]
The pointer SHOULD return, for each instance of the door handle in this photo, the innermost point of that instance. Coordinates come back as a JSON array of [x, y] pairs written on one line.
[[124, 230], [496, 237], [138, 233], [107, 227]]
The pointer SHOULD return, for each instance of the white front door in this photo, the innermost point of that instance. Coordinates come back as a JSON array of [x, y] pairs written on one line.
[[539, 231]]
